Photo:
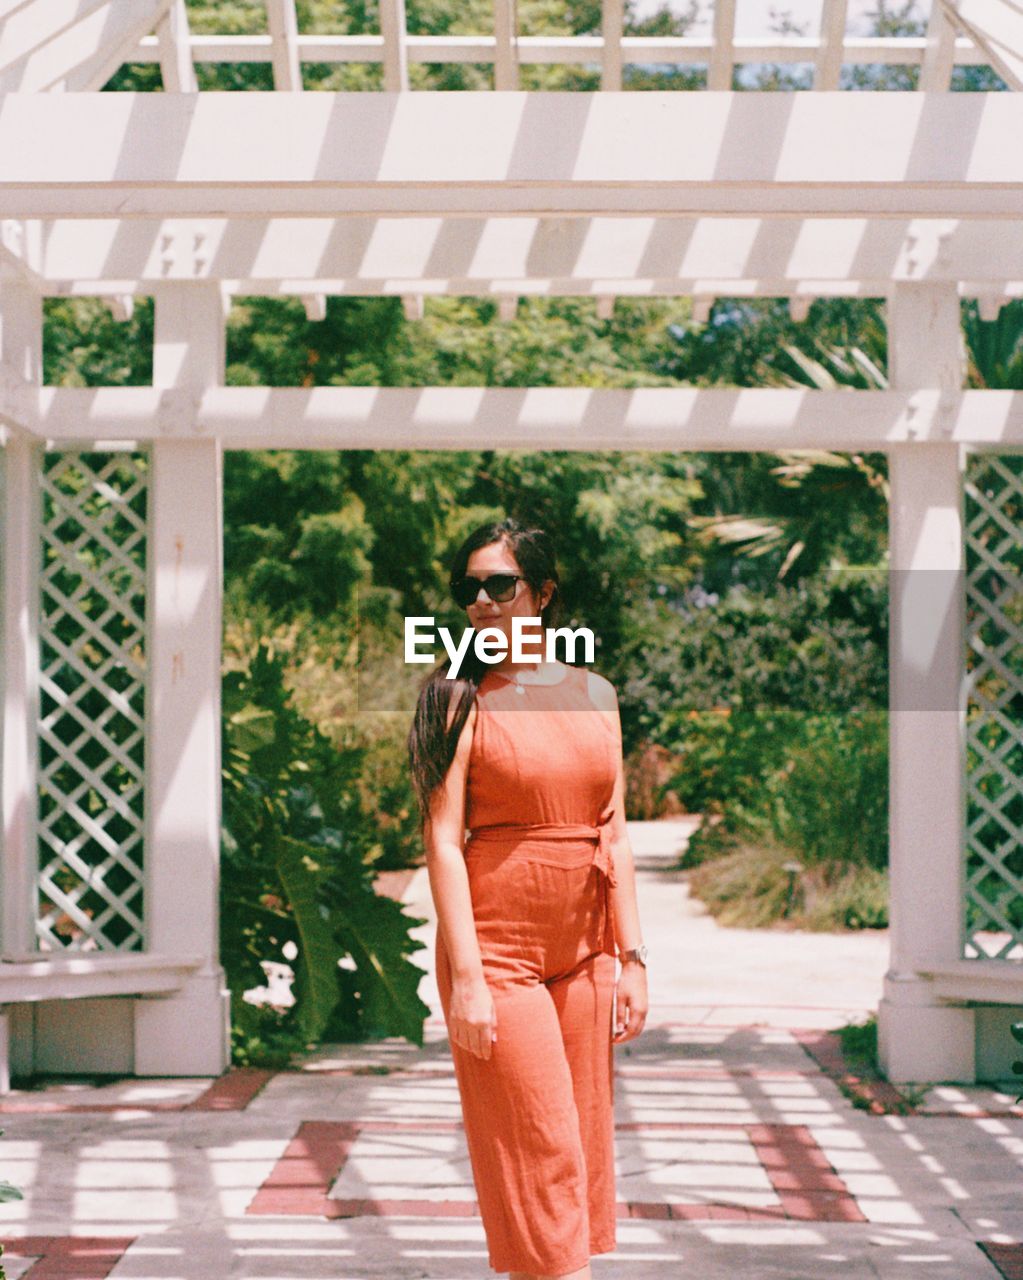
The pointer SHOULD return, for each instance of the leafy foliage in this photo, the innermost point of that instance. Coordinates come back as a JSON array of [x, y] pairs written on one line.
[[293, 871]]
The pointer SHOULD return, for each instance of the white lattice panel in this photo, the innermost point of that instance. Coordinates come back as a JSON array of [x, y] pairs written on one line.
[[994, 649], [92, 701]]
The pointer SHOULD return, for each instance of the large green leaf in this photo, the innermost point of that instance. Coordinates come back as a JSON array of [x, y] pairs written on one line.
[[375, 931], [317, 991]]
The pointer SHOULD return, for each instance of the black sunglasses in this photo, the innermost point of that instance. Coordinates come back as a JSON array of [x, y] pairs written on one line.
[[500, 587]]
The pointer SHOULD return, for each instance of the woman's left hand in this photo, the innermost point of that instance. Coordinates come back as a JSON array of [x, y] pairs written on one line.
[[631, 1002]]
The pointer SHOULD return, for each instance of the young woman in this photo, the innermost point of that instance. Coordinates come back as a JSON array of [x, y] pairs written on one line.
[[531, 908]]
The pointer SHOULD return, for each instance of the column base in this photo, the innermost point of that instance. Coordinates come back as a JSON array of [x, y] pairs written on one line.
[[188, 1033], [922, 1041]]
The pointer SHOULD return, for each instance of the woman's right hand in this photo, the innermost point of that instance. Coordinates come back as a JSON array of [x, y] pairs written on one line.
[[472, 1016]]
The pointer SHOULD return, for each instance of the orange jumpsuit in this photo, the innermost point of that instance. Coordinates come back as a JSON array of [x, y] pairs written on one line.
[[538, 1113]]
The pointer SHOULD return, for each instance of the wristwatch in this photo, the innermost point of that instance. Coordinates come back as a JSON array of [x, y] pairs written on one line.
[[635, 953]]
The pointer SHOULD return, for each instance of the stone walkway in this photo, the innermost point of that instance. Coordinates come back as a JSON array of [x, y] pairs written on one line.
[[740, 1149]]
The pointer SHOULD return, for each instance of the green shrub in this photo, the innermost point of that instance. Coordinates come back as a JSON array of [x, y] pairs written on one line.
[[293, 870], [810, 791], [816, 785], [757, 885]]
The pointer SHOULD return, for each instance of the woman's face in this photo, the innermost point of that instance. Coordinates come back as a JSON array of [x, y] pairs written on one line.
[[484, 612]]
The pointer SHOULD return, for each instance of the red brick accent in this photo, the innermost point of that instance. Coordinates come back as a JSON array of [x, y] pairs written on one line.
[[718, 1212], [233, 1091], [1008, 1258], [807, 1186], [69, 1257], [876, 1095], [407, 1208], [301, 1178]]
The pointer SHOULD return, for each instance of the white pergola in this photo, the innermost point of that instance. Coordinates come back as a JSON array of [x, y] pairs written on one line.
[[111, 514]]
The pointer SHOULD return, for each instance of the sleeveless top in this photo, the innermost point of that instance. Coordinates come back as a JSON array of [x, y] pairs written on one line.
[[542, 768]]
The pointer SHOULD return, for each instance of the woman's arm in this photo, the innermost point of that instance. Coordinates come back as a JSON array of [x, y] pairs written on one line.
[[472, 1017], [631, 1001]]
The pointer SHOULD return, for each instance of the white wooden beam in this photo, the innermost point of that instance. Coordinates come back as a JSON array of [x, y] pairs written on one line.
[[536, 418], [612, 24], [412, 305], [560, 254], [822, 154], [635, 50], [122, 306], [541, 288], [283, 23], [831, 54], [18, 399], [921, 1037], [21, 353], [702, 305], [722, 57], [989, 305], [799, 308], [394, 30], [21, 329], [605, 306], [20, 250], [506, 60], [996, 27], [315, 306], [71, 44], [185, 1034], [940, 53], [176, 67]]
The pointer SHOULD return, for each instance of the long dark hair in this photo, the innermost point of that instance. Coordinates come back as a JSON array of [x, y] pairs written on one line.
[[431, 744]]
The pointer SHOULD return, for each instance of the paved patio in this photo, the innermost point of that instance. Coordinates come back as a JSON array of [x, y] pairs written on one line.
[[745, 1146]]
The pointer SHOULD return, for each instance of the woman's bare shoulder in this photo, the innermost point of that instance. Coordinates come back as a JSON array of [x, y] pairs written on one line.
[[470, 720], [602, 692]]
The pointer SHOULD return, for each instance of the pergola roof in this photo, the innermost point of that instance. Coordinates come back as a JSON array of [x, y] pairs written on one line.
[[77, 44], [507, 193]]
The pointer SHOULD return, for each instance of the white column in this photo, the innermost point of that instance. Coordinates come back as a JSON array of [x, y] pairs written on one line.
[[188, 1033], [21, 350], [921, 1037]]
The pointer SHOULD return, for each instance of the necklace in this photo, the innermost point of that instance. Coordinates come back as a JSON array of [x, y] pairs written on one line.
[[517, 683]]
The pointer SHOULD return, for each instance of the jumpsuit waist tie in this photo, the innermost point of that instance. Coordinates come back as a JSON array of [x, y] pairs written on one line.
[[603, 856]]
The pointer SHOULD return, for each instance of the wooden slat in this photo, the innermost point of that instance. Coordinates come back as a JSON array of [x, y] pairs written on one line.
[[816, 155], [722, 57], [40, 52], [283, 24], [669, 50], [612, 24], [393, 28], [996, 26], [506, 60], [176, 66], [531, 417], [940, 53], [682, 255], [831, 54]]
